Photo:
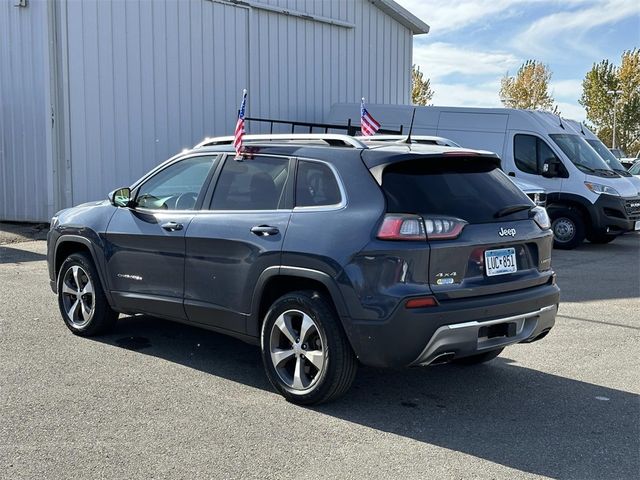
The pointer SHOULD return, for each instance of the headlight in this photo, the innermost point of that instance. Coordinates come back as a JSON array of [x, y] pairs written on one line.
[[54, 222], [597, 188], [541, 217]]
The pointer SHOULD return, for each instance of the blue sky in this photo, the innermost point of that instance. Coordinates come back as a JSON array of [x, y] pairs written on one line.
[[473, 43]]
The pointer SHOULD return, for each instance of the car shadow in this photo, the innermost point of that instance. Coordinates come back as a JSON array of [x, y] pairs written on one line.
[[524, 419], [16, 255]]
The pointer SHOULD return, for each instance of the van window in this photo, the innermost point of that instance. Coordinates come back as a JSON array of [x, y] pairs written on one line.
[[471, 189], [580, 153], [530, 153]]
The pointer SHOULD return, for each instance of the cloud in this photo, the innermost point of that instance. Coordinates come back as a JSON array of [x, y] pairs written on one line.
[[462, 94], [453, 15], [440, 59], [567, 89], [572, 111], [554, 33]]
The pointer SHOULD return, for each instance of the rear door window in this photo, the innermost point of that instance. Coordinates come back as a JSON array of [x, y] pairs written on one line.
[[468, 188], [257, 183]]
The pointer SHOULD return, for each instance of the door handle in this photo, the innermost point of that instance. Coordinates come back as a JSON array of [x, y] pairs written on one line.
[[265, 230], [172, 226]]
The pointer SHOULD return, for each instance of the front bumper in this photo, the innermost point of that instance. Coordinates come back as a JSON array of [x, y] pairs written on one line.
[[419, 336], [615, 215]]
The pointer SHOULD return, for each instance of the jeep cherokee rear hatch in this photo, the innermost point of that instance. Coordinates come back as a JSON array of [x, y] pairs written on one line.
[[484, 233]]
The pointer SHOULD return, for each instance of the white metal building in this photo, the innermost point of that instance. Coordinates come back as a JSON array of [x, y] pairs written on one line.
[[93, 93]]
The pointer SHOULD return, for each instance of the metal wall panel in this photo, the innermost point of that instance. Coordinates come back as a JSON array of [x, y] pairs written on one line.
[[25, 117], [136, 81], [147, 79]]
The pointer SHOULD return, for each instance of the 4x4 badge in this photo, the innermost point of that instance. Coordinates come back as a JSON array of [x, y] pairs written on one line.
[[507, 232]]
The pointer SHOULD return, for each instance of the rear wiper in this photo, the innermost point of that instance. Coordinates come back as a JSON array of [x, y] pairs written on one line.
[[503, 212]]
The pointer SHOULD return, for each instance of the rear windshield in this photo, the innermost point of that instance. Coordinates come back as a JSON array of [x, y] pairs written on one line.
[[467, 188]]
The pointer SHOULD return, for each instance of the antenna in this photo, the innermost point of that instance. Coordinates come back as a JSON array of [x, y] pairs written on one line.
[[582, 128], [408, 139]]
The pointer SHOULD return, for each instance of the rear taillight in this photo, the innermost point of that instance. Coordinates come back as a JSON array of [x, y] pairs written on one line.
[[441, 228], [402, 227]]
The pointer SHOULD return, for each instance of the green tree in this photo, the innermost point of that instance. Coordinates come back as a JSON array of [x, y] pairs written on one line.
[[601, 99], [421, 93], [529, 88]]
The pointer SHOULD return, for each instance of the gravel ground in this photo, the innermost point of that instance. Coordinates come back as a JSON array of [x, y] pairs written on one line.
[[162, 400]]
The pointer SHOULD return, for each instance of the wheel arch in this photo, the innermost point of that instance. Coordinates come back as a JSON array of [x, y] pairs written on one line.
[[70, 244], [576, 203], [277, 281]]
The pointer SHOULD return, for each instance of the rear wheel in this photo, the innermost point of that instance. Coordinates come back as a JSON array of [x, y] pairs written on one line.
[[479, 358], [568, 228], [81, 299], [305, 352]]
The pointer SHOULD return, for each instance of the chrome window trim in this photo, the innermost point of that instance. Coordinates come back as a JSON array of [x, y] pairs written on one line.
[[323, 208]]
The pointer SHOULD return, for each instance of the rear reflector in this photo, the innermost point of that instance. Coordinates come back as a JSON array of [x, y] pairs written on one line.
[[421, 302], [402, 227]]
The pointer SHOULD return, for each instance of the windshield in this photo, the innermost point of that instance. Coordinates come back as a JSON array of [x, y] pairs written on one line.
[[606, 155], [580, 153]]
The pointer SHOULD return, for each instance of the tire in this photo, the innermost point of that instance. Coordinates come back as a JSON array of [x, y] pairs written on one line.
[[91, 314], [479, 358], [302, 333], [601, 238], [568, 228]]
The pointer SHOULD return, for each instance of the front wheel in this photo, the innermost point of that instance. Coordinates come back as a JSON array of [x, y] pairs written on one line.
[[82, 301], [568, 228], [305, 352]]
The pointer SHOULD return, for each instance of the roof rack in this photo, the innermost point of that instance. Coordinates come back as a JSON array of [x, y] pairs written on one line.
[[331, 139]]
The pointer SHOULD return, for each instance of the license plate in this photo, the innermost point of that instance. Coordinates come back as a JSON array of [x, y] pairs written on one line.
[[500, 262], [637, 225]]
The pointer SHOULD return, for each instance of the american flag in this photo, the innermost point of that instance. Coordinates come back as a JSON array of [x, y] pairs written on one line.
[[368, 124], [239, 133]]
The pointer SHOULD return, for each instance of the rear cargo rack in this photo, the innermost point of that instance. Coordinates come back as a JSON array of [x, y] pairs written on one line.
[[330, 139]]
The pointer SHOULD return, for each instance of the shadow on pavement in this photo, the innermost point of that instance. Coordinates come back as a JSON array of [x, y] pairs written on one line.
[[16, 255], [521, 418]]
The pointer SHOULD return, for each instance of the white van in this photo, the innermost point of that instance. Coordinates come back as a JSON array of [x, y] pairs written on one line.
[[585, 197]]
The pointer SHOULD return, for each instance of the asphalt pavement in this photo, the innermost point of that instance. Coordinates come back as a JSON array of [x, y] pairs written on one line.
[[161, 400]]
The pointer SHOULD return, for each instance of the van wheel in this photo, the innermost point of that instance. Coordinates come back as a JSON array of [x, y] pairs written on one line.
[[82, 301], [305, 352], [568, 228], [479, 358], [600, 238]]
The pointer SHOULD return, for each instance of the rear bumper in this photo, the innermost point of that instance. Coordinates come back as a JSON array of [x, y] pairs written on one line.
[[460, 327], [469, 338]]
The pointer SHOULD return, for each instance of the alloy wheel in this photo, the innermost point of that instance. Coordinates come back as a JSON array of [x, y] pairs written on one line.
[[78, 296], [297, 350]]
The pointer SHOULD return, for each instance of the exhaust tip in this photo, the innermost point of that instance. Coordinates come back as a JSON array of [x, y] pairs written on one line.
[[442, 358]]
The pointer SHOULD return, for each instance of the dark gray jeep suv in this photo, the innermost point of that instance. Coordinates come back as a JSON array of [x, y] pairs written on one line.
[[324, 251]]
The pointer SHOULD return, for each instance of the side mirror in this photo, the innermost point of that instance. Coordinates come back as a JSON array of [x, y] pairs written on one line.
[[550, 168], [120, 197]]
